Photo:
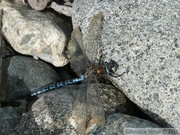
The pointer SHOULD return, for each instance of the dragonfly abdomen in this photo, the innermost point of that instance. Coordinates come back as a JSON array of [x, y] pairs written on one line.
[[57, 85]]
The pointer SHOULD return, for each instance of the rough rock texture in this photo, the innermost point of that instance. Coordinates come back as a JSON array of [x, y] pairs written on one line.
[[38, 4], [48, 115], [143, 37], [39, 34], [9, 119], [22, 75], [61, 9], [51, 113], [117, 123], [113, 100]]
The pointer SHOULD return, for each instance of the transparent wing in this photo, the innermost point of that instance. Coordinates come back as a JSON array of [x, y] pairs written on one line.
[[95, 106], [79, 114], [79, 61], [93, 39]]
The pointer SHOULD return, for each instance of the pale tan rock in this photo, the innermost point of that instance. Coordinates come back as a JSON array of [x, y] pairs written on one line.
[[35, 33], [62, 9]]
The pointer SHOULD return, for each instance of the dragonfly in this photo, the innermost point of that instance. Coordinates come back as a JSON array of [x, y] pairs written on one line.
[[77, 55], [88, 110]]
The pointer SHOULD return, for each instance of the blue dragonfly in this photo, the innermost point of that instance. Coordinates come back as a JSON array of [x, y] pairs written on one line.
[[88, 110], [80, 62]]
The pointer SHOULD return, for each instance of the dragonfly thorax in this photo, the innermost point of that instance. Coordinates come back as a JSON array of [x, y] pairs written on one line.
[[99, 71]]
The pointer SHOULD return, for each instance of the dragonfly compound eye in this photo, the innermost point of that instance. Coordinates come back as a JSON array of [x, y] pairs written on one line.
[[113, 66]]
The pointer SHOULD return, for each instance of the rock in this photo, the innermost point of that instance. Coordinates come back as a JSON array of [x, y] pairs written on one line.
[[51, 113], [119, 123], [39, 34], [38, 4], [22, 75], [48, 115], [9, 119], [143, 37], [61, 9], [20, 2], [3, 50], [113, 99]]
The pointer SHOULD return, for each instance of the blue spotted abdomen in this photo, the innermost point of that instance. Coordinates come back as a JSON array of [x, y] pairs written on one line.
[[57, 85]]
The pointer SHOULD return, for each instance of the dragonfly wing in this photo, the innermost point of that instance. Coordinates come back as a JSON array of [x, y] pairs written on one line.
[[95, 106], [79, 114], [79, 61], [94, 37]]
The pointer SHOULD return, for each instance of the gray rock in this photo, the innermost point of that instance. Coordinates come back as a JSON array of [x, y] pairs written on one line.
[[52, 112], [143, 37], [48, 115], [39, 34], [22, 75], [121, 124], [9, 119], [113, 99], [20, 2]]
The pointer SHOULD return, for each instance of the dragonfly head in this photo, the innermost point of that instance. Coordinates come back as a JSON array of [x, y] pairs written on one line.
[[111, 68]]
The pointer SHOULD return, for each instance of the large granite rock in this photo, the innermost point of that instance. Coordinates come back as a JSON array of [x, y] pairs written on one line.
[[39, 34], [143, 37]]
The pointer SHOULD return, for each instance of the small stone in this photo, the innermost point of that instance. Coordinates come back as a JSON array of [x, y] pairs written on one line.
[[38, 4]]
